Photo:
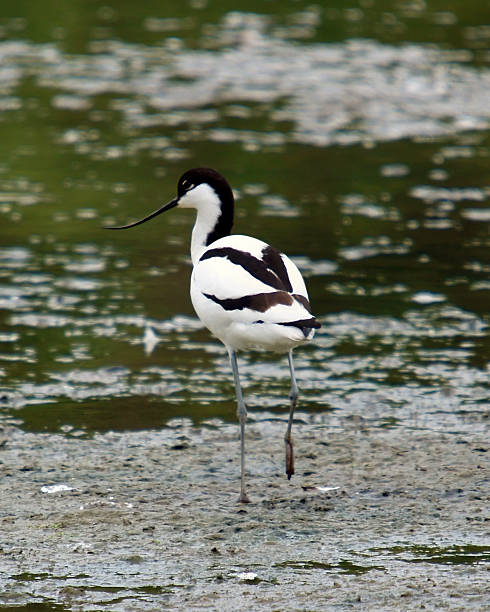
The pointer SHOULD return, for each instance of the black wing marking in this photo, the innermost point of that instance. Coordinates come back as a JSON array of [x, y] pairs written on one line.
[[270, 270], [260, 302]]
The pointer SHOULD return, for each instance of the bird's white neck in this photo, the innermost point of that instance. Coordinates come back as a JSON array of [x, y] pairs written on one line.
[[203, 226], [211, 223]]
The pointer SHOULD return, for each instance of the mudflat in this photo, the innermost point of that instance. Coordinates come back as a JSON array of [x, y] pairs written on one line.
[[375, 518]]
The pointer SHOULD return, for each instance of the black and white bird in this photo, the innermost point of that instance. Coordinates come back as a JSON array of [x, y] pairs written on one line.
[[248, 294]]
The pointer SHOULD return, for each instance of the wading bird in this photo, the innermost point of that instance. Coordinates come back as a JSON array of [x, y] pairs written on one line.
[[248, 294]]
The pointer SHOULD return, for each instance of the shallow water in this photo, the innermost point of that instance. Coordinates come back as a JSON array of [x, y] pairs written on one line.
[[357, 139]]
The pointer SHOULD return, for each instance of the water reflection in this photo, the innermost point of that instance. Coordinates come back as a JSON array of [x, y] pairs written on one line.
[[357, 91]]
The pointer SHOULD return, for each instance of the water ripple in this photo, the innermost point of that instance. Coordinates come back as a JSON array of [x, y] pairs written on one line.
[[393, 92]]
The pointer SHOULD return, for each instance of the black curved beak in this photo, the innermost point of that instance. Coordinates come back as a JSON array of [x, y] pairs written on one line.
[[168, 206]]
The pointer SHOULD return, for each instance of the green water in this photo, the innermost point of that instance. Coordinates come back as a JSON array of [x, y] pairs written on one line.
[[357, 140]]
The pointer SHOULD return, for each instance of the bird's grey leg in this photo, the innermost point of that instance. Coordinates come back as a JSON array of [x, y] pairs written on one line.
[[242, 417], [293, 396]]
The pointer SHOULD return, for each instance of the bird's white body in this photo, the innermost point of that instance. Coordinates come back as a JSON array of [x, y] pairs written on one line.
[[239, 328], [224, 279]]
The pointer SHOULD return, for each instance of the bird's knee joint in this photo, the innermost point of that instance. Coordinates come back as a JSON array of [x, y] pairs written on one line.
[[242, 414]]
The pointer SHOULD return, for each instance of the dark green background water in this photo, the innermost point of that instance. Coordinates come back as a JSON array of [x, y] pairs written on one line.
[[357, 140]]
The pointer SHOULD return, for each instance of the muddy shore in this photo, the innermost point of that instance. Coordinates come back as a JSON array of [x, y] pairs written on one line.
[[149, 520]]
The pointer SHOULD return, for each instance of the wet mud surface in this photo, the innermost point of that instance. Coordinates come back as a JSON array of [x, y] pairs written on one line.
[[149, 520]]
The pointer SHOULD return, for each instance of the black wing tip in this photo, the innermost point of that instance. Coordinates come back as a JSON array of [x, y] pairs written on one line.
[[304, 324]]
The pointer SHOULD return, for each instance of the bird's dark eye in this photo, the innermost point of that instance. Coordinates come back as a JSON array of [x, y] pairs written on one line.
[[187, 185]]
